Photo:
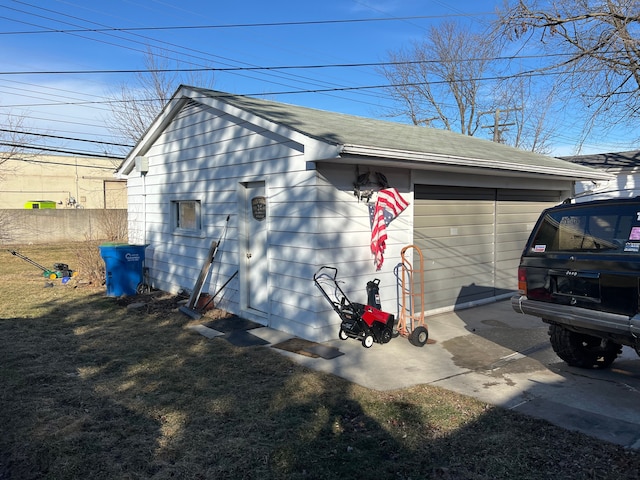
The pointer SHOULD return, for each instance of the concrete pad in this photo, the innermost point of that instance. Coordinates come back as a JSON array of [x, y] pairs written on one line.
[[242, 338], [502, 358], [205, 331], [596, 424], [270, 335], [389, 366]]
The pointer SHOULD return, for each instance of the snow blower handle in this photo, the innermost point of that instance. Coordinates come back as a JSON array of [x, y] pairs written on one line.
[[321, 273], [325, 279]]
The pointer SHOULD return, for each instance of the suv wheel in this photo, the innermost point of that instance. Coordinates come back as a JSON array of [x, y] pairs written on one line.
[[581, 350]]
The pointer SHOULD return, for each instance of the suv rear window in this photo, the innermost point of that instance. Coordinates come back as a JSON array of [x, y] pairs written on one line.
[[593, 228]]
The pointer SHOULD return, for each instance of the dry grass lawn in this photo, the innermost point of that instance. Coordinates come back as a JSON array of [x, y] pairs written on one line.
[[92, 390]]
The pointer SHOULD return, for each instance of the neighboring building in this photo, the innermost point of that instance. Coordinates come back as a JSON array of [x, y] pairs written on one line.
[[284, 176], [625, 168], [70, 182]]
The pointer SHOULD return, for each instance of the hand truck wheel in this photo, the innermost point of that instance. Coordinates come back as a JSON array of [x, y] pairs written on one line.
[[419, 336]]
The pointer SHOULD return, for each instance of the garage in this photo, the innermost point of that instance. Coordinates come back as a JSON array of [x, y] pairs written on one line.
[[220, 155], [472, 238]]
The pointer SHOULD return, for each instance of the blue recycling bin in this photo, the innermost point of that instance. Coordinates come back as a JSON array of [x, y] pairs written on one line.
[[124, 268]]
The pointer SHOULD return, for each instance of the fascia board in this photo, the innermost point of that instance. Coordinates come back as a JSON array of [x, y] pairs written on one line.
[[426, 161], [184, 94], [154, 131]]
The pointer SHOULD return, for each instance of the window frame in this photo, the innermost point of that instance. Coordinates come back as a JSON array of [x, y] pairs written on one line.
[[193, 227]]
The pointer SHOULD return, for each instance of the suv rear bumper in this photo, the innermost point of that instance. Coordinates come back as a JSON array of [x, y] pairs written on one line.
[[578, 318]]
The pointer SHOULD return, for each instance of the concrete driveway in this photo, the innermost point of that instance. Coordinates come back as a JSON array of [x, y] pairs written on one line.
[[502, 358]]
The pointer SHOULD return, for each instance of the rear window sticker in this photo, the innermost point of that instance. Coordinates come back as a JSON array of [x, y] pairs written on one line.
[[539, 248], [632, 247], [635, 233]]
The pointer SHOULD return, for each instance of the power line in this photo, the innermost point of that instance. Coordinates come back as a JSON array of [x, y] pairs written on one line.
[[236, 70], [49, 162], [64, 138], [58, 150], [233, 25], [146, 38], [310, 81], [528, 74], [274, 67], [114, 32], [58, 120]]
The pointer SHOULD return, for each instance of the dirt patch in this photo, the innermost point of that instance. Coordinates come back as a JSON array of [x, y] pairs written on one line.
[[162, 303]]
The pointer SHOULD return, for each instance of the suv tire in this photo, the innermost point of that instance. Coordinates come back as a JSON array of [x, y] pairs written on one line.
[[581, 350]]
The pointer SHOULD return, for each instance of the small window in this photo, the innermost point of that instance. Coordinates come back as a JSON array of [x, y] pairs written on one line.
[[186, 215]]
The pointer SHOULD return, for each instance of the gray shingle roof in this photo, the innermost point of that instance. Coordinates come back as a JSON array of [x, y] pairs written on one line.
[[341, 129], [608, 161]]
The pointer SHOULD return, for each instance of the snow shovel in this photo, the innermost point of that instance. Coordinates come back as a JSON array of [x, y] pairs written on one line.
[[189, 309]]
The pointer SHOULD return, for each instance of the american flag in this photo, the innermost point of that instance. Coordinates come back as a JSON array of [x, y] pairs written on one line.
[[389, 205]]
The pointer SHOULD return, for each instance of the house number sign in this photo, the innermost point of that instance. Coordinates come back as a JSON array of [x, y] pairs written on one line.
[[259, 207]]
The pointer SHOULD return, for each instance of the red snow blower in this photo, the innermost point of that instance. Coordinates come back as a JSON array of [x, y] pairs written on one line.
[[366, 323]]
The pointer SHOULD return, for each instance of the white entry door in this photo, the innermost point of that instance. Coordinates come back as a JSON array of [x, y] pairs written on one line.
[[254, 253]]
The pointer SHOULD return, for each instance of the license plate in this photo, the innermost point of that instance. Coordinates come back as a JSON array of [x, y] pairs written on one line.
[[576, 284]]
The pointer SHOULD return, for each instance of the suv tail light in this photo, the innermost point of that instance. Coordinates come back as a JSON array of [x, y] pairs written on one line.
[[522, 281]]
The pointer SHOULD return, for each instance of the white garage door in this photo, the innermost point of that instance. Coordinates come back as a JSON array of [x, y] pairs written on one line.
[[472, 239]]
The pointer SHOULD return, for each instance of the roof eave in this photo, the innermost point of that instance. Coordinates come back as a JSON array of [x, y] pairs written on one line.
[[153, 132], [427, 161]]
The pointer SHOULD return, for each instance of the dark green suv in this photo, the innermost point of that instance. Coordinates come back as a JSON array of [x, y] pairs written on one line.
[[580, 273]]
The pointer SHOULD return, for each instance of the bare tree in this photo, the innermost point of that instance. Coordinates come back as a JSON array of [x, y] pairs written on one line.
[[437, 82], [135, 105], [12, 141], [12, 147], [442, 82], [592, 47]]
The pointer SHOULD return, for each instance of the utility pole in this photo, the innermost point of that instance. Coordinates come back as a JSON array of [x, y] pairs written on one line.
[[498, 127]]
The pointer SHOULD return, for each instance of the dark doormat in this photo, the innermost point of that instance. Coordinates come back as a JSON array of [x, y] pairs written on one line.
[[242, 338], [231, 324], [308, 348]]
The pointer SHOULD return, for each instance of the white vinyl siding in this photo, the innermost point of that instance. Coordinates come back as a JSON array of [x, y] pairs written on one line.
[[206, 154]]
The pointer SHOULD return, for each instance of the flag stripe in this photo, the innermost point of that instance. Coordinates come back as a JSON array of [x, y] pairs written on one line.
[[391, 200]]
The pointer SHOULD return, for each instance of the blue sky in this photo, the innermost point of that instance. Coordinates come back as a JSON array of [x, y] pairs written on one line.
[[52, 36]]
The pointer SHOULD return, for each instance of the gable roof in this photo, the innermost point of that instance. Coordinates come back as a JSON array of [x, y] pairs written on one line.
[[392, 143], [614, 161]]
